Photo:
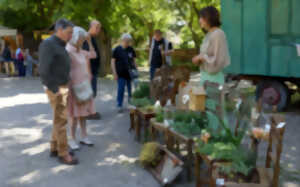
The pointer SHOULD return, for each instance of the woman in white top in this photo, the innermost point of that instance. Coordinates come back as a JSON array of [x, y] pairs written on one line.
[[214, 54]]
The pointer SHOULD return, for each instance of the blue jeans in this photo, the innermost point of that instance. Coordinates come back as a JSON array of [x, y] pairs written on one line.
[[94, 84], [152, 72], [29, 69], [122, 83]]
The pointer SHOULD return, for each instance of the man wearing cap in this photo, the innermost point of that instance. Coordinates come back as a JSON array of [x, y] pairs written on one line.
[[123, 59]]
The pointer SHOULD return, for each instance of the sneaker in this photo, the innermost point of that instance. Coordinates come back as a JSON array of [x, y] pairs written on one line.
[[86, 141], [73, 145], [120, 109]]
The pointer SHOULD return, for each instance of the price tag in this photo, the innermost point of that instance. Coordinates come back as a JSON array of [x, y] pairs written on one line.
[[298, 49], [238, 104], [267, 128], [254, 114], [185, 99], [280, 125], [220, 182]]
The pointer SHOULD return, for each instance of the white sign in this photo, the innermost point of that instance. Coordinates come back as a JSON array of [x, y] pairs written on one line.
[[298, 49]]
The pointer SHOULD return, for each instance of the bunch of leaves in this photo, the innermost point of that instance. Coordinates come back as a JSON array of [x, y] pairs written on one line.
[[159, 115], [150, 154], [189, 123], [189, 117], [141, 102], [241, 160], [142, 91]]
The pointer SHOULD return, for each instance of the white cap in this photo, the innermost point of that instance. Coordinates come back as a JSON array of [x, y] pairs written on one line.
[[126, 36]]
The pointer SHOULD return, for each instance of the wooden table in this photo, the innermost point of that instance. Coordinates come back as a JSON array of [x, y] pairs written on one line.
[[173, 138], [140, 118]]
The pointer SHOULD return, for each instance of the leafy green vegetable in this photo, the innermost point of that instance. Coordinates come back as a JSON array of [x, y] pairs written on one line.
[[142, 91], [189, 123], [159, 116], [241, 160], [141, 102]]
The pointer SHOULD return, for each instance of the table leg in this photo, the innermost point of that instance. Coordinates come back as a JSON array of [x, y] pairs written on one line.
[[190, 159], [146, 129], [197, 170], [132, 120], [138, 128]]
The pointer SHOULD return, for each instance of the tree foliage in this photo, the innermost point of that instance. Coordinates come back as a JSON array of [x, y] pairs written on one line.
[[138, 17]]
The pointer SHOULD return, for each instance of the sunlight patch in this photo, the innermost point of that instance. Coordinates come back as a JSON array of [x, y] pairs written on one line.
[[60, 168], [22, 135], [36, 149], [22, 99], [28, 178], [122, 159], [113, 147]]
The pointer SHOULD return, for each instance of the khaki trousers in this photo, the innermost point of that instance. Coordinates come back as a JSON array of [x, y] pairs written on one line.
[[58, 103]]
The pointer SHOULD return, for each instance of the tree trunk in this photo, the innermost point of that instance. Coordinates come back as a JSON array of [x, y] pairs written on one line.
[[105, 49]]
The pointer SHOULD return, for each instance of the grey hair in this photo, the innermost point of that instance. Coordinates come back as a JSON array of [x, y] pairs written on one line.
[[94, 22], [126, 36], [77, 33], [63, 24]]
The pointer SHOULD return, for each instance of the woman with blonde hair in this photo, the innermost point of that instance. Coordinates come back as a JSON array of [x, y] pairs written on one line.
[[80, 102]]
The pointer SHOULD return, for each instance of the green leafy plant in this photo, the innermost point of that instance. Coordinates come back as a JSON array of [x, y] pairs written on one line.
[[240, 160], [159, 116], [189, 123], [142, 91], [141, 102]]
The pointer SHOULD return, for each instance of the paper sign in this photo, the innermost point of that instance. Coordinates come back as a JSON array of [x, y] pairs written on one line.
[[185, 99], [267, 128], [254, 114], [157, 104], [220, 182], [298, 49], [238, 104], [280, 125]]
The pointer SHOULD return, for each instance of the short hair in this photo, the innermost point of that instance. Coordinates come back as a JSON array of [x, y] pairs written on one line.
[[158, 31], [77, 33], [211, 15], [126, 36], [63, 24], [94, 22]]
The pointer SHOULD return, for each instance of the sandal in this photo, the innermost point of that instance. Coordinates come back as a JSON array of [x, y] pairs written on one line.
[[64, 160]]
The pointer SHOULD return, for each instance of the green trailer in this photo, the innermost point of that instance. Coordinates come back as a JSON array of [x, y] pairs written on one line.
[[262, 35]]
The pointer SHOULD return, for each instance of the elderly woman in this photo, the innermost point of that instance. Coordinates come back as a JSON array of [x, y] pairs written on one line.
[[123, 60], [80, 73], [214, 55]]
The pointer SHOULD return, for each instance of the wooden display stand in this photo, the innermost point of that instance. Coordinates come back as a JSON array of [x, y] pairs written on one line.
[[140, 119], [173, 138], [268, 176], [157, 172]]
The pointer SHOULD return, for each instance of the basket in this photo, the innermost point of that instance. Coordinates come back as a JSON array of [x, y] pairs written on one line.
[[197, 99]]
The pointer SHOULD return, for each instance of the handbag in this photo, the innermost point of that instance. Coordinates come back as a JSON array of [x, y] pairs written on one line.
[[83, 91], [134, 74]]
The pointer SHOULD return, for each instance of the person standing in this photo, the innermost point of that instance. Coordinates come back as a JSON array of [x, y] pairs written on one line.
[[21, 62], [8, 61], [80, 74], [123, 59], [160, 52], [29, 61], [214, 54], [95, 63], [55, 72]]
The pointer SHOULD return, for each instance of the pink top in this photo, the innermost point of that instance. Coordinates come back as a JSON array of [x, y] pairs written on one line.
[[79, 73], [79, 64]]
